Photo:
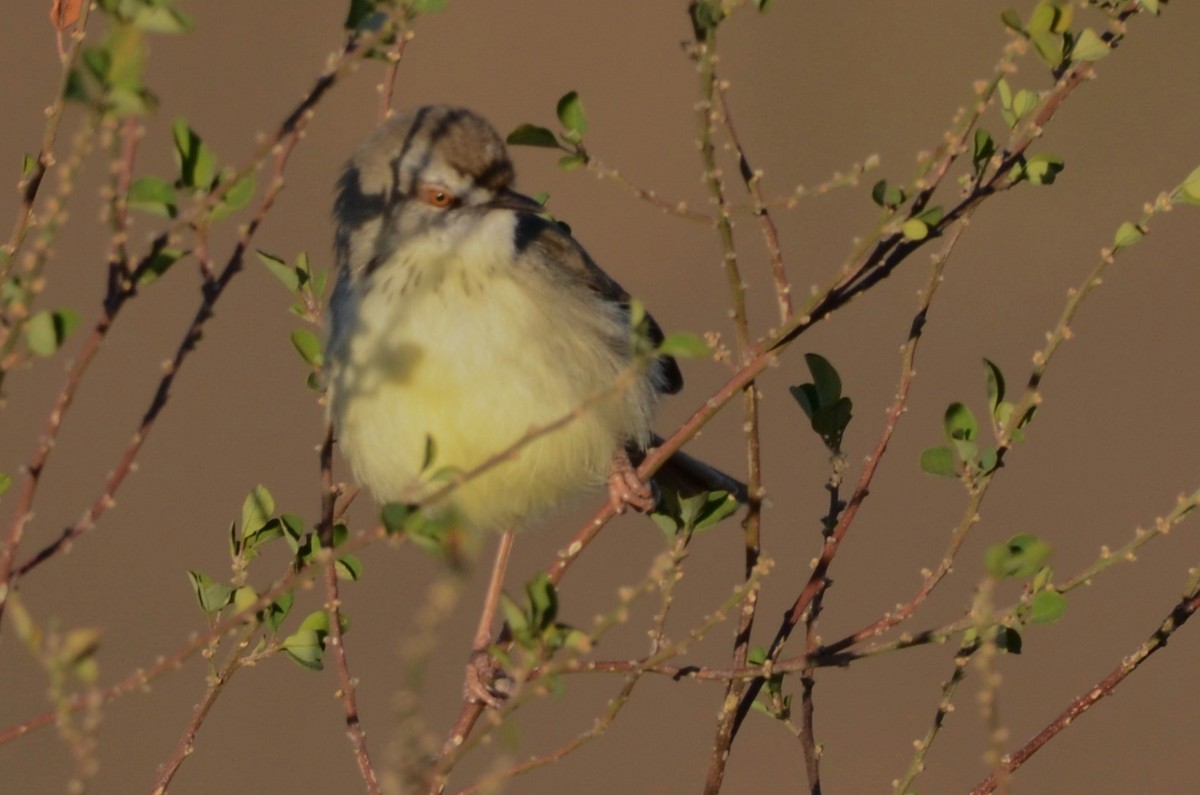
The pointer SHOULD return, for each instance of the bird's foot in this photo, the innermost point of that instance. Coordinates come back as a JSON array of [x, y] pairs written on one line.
[[485, 683], [625, 487]]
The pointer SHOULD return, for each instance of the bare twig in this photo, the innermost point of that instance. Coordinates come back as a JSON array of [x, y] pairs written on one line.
[[347, 689], [1029, 401], [753, 180], [1182, 611], [187, 741]]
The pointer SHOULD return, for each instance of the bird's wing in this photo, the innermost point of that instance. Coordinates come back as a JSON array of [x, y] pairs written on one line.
[[558, 246]]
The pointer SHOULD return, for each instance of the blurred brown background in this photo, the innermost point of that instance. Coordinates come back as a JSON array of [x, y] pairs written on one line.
[[815, 87]]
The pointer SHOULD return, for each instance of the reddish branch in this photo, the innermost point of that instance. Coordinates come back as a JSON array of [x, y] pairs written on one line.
[[1177, 618]]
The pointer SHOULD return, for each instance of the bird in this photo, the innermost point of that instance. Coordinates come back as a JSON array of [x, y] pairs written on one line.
[[470, 329]]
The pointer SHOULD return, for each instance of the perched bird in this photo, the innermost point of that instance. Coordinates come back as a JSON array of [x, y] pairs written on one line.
[[463, 317]]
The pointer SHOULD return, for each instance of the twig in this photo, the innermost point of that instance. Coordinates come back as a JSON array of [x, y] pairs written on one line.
[[818, 581], [903, 785], [30, 183], [395, 53], [186, 744], [703, 51], [164, 664], [753, 180], [347, 690], [1184, 610], [1030, 399], [286, 138]]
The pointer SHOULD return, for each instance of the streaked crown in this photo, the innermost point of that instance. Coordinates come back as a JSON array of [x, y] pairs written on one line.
[[437, 153]]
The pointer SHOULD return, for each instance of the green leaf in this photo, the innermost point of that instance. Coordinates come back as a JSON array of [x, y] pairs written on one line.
[[571, 162], [5, 482], [532, 135], [939, 461], [828, 411], [1012, 19], [1043, 169], [243, 598], [1024, 103], [158, 264], [307, 644], [984, 148], [280, 270], [309, 347], [570, 114], [47, 330], [806, 396], [1021, 556], [212, 596], [714, 508], [278, 610], [1189, 191], [825, 378], [28, 164], [959, 423], [1008, 640], [1149, 5], [426, 6], [1048, 606], [684, 345], [161, 19], [914, 229], [830, 423], [543, 602], [394, 516], [887, 196], [1127, 235], [197, 163], [349, 567], [995, 385], [257, 509], [237, 197], [514, 616], [1089, 47], [253, 539]]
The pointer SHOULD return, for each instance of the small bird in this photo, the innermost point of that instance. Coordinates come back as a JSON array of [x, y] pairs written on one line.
[[463, 317]]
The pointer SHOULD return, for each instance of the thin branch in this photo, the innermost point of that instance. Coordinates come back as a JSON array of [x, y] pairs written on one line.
[[347, 690], [286, 138], [31, 182], [818, 581], [1021, 413], [753, 180], [1184, 610], [187, 741], [703, 51]]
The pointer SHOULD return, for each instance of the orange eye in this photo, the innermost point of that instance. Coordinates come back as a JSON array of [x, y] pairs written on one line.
[[435, 196]]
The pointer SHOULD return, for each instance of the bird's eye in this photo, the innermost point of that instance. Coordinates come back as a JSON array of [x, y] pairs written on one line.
[[435, 196]]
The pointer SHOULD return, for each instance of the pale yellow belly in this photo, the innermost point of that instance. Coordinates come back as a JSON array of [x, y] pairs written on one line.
[[476, 371]]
